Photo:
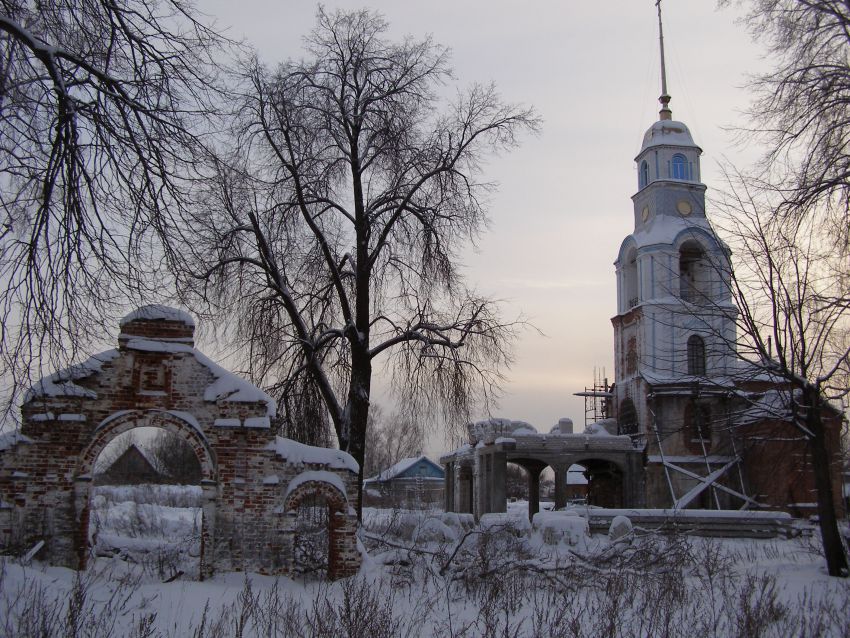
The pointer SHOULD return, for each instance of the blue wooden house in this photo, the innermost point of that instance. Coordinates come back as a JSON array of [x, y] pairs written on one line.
[[412, 483]]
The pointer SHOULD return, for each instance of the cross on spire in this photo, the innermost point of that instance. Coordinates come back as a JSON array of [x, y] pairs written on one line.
[[665, 113]]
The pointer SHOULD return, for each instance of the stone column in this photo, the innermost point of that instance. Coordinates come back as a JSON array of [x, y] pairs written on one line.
[[465, 487], [82, 487], [533, 491], [485, 484], [560, 485], [634, 482], [469, 497], [481, 480], [498, 482], [448, 487], [209, 494]]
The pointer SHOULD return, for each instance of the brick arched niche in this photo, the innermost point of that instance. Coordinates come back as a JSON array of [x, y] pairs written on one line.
[[180, 424], [343, 556]]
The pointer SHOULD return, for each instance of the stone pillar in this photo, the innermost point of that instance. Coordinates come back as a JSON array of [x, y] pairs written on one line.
[[288, 542], [560, 485], [209, 495], [486, 483], [533, 491], [634, 482], [479, 478], [336, 526], [469, 497], [341, 538], [448, 487], [82, 487], [498, 482], [465, 489]]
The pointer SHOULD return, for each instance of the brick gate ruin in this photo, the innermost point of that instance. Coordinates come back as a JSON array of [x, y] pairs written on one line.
[[252, 480]]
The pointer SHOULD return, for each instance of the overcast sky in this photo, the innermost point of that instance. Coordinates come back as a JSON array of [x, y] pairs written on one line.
[[591, 69]]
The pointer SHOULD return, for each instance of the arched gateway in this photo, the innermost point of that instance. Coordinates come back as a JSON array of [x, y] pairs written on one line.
[[156, 378], [476, 472]]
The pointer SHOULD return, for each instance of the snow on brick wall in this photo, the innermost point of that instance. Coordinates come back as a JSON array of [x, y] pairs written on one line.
[[45, 474]]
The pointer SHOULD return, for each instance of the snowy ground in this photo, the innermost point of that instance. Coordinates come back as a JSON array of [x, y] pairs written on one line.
[[431, 574]]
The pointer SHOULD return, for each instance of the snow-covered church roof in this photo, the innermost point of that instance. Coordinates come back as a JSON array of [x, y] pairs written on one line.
[[667, 133]]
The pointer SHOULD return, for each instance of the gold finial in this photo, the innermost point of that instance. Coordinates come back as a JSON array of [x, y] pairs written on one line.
[[665, 113]]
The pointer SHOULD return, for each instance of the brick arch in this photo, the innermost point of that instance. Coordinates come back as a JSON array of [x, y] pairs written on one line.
[[336, 500], [116, 425], [342, 526]]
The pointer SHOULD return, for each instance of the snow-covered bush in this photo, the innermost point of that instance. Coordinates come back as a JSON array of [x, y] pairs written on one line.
[[557, 527], [486, 582], [621, 527], [155, 526]]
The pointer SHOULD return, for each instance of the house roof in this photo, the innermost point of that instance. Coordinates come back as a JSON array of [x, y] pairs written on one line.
[[132, 452], [398, 470]]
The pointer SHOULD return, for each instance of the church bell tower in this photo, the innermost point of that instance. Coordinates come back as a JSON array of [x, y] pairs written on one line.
[[674, 330]]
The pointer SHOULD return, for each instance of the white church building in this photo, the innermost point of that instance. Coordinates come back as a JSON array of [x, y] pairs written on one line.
[[686, 422]]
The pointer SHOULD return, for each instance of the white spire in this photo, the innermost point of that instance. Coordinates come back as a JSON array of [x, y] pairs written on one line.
[[665, 113]]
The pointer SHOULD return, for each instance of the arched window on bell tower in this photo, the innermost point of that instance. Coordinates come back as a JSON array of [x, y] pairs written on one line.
[[679, 168], [696, 356], [630, 280], [694, 273], [627, 419], [631, 356], [643, 179]]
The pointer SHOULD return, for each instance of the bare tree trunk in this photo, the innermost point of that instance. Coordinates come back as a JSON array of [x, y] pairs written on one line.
[[361, 376], [833, 545]]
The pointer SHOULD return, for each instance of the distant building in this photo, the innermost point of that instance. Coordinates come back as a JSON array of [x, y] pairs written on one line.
[[576, 483], [412, 483], [132, 466]]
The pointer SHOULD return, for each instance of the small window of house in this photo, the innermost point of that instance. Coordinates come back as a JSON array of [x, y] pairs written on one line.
[[679, 167]]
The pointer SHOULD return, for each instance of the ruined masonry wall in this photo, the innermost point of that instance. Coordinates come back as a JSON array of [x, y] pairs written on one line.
[[45, 476]]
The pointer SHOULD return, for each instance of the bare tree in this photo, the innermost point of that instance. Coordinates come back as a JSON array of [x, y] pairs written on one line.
[[103, 108], [332, 236], [792, 220], [801, 110], [174, 459], [390, 439], [792, 329]]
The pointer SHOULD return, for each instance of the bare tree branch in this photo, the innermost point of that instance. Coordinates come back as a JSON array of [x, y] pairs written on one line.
[[358, 193]]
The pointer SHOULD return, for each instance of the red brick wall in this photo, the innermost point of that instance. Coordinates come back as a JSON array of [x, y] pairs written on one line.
[[47, 481]]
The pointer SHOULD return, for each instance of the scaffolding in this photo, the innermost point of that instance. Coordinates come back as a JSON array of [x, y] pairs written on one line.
[[716, 468], [597, 398]]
